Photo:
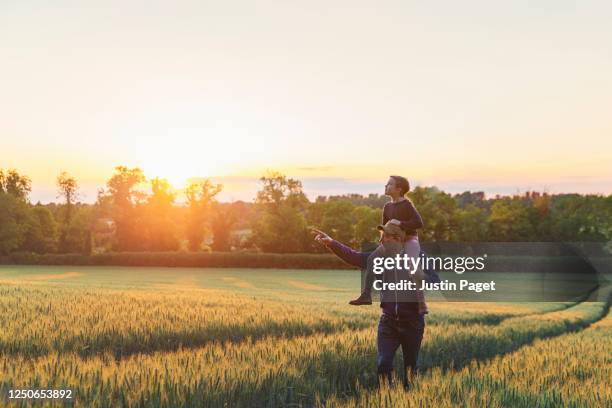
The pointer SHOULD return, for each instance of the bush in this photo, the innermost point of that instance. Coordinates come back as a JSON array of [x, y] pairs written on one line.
[[184, 259], [535, 264]]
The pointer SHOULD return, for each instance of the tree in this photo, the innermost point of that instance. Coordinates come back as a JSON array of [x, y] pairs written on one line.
[[366, 221], [68, 189], [335, 216], [338, 220], [372, 200], [472, 224], [80, 230], [224, 216], [161, 230], [439, 212], [102, 232], [278, 189], [541, 216], [510, 220], [200, 197], [280, 224], [13, 219], [581, 218], [40, 234], [126, 216], [467, 198], [15, 184]]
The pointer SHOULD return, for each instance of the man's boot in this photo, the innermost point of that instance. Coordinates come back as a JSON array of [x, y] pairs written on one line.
[[364, 299]]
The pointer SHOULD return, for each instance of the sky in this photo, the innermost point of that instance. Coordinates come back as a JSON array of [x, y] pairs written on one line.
[[501, 97]]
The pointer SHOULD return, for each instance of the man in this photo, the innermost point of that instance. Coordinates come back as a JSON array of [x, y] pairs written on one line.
[[402, 320], [402, 212]]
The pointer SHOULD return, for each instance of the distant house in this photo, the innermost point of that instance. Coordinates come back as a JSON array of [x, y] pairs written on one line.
[[102, 233], [104, 225]]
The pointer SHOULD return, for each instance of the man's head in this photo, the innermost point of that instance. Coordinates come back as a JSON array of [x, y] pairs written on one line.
[[391, 232], [397, 186]]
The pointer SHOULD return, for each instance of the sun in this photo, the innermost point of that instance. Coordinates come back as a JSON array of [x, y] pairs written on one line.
[[177, 172], [181, 167]]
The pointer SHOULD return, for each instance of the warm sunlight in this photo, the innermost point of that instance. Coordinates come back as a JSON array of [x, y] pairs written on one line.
[[177, 172], [323, 204], [225, 99]]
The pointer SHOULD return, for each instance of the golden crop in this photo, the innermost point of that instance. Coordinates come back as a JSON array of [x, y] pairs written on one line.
[[201, 343]]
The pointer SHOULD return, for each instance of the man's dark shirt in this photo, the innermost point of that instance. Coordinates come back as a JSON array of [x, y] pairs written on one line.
[[397, 310], [406, 213]]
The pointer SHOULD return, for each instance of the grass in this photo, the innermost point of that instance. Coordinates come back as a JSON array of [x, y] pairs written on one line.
[[122, 336], [571, 370]]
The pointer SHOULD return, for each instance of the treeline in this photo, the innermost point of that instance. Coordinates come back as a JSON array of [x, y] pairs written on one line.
[[127, 218]]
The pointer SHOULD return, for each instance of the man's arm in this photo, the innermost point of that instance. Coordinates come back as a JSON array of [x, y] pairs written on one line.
[[348, 255]]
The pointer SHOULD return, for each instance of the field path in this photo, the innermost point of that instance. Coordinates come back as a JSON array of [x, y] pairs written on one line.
[[305, 285], [240, 283], [567, 370], [43, 277], [514, 333]]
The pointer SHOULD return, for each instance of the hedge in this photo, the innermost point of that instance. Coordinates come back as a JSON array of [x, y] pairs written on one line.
[[536, 264], [183, 259]]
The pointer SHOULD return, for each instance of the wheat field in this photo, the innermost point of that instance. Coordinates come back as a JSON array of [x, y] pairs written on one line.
[[120, 336]]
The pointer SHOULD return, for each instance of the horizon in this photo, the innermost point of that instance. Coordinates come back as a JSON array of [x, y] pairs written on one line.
[[247, 188]]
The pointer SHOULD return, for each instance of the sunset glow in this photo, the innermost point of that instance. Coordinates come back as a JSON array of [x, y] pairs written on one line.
[[514, 99]]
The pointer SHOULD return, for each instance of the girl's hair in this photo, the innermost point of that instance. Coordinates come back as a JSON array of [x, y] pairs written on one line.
[[402, 183]]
